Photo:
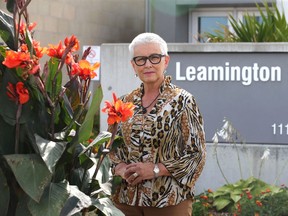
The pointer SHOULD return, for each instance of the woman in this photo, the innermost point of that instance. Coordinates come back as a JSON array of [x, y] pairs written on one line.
[[164, 150]]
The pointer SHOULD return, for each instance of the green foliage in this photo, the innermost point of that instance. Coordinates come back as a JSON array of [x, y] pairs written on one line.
[[272, 27], [7, 29], [87, 125], [47, 145], [245, 197]]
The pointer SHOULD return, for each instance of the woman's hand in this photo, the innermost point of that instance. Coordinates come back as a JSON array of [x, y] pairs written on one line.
[[137, 172]]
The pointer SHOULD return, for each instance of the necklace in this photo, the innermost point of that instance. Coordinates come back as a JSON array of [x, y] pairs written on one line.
[[144, 109]]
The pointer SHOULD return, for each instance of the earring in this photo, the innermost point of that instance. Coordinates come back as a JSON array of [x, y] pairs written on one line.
[[136, 75], [164, 72]]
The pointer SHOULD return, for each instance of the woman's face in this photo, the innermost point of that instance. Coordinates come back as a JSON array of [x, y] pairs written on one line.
[[150, 73]]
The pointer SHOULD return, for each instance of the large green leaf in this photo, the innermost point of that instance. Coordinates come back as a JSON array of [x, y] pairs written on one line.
[[8, 111], [236, 195], [66, 114], [53, 83], [72, 91], [10, 5], [7, 141], [221, 203], [102, 137], [7, 134], [77, 178], [87, 126], [91, 162], [106, 206], [22, 207], [50, 151], [52, 201], [7, 29], [76, 202], [5, 194], [103, 173], [224, 190], [40, 121], [30, 172]]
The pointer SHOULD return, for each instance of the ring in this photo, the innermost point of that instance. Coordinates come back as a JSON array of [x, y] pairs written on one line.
[[135, 175]]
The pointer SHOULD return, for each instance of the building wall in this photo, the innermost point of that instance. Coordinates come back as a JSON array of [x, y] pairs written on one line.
[[170, 19], [93, 22]]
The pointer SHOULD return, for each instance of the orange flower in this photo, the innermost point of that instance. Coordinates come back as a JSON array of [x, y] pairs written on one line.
[[72, 41], [204, 197], [84, 69], [31, 26], [23, 25], [206, 204], [15, 59], [24, 48], [210, 190], [39, 51], [118, 110], [259, 203], [56, 51], [18, 93], [249, 195], [22, 92]]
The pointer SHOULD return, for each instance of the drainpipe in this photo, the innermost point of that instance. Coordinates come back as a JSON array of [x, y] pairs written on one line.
[[147, 18]]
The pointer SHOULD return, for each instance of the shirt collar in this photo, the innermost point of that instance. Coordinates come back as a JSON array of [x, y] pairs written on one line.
[[164, 85]]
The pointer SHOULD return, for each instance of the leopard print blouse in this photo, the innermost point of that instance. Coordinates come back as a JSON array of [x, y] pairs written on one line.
[[171, 134]]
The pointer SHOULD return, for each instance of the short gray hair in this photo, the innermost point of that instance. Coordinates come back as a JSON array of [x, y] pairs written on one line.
[[145, 38]]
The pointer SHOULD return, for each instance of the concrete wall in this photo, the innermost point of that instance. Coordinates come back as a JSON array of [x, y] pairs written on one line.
[[93, 21], [274, 170], [118, 77], [117, 74]]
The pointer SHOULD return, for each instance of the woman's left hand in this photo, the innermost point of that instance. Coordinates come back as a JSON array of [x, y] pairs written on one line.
[[137, 172]]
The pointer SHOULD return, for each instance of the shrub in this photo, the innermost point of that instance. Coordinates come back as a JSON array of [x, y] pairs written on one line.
[[272, 27], [245, 197]]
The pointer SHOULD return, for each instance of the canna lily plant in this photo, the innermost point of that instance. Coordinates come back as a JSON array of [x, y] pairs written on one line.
[[52, 162]]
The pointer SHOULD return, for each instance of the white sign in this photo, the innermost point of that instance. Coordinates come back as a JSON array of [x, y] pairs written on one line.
[[93, 57]]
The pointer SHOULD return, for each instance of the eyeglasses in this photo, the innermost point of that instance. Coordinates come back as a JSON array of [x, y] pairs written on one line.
[[154, 59]]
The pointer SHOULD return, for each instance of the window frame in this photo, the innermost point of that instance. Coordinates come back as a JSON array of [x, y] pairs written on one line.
[[237, 13]]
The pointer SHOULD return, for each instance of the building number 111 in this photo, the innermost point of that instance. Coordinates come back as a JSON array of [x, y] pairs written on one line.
[[280, 129]]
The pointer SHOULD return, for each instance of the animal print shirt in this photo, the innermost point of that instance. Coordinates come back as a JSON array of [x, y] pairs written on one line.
[[171, 134]]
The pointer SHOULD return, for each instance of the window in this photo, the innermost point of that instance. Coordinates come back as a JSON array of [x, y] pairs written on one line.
[[257, 15], [209, 24], [209, 20]]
